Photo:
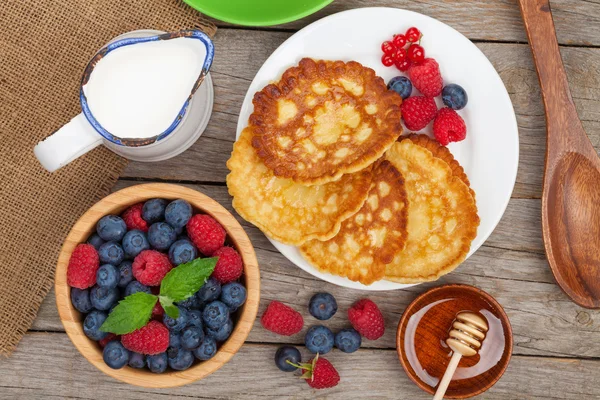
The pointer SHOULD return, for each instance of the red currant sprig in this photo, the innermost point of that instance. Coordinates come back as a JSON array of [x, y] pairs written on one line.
[[396, 53], [413, 35]]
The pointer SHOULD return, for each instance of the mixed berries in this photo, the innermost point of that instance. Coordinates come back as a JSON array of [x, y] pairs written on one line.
[[129, 257], [319, 373], [406, 53]]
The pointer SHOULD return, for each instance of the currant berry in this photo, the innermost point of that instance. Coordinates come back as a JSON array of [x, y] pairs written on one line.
[[403, 65], [413, 35], [387, 47], [416, 53], [387, 60], [399, 41], [399, 55]]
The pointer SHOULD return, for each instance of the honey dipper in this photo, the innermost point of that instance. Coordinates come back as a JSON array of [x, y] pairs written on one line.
[[468, 331]]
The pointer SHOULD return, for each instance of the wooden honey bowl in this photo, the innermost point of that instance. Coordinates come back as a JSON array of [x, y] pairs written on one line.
[[115, 204]]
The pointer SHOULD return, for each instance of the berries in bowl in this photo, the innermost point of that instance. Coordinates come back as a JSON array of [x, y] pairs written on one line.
[[157, 285]]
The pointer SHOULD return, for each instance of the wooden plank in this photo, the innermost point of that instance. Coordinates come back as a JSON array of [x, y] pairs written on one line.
[[205, 161], [47, 366], [576, 21]]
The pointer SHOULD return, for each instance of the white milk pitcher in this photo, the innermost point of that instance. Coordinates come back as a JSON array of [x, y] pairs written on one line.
[[139, 98]]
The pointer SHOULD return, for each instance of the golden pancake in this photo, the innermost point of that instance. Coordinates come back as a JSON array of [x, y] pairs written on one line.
[[324, 119], [371, 237], [287, 211], [442, 215]]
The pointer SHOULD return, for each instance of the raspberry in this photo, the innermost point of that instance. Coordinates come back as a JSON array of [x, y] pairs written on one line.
[[282, 319], [107, 338], [366, 318], [133, 218], [153, 338], [206, 233], [84, 262], [158, 312], [229, 267], [319, 373], [418, 111], [150, 267], [449, 127], [426, 77]]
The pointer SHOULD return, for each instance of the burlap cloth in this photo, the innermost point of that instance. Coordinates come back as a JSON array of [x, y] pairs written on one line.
[[44, 47]]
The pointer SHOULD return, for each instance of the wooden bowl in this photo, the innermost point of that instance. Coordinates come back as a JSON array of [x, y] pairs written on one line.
[[115, 204], [424, 327]]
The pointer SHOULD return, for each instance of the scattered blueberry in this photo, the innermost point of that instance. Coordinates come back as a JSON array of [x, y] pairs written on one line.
[[125, 274], [115, 355], [182, 251], [191, 302], [191, 337], [174, 339], [221, 334], [215, 315], [401, 85], [107, 276], [454, 96], [111, 253], [180, 359], [103, 298], [178, 213], [157, 363], [81, 300], [285, 354], [134, 287], [319, 339], [134, 242], [137, 360], [154, 210], [195, 318], [233, 295], [161, 236], [96, 241], [211, 290], [177, 324], [348, 340], [322, 306], [111, 227], [207, 349], [92, 323]]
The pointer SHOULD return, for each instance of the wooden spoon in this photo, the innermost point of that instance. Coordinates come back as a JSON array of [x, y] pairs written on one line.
[[571, 195]]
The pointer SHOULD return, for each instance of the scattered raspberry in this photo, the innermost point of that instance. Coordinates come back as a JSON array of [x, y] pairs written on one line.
[[449, 127], [158, 312], [366, 318], [320, 373], [206, 233], [229, 267], [84, 262], [282, 319], [426, 77], [133, 218], [153, 338], [107, 338], [418, 111], [150, 267]]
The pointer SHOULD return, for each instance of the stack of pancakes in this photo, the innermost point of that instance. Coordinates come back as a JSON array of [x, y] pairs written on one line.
[[322, 165]]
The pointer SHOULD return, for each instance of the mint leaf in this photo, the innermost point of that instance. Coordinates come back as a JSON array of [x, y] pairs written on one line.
[[133, 312], [185, 280], [170, 309]]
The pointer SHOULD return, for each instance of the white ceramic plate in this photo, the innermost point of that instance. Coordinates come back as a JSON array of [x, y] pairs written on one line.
[[490, 153]]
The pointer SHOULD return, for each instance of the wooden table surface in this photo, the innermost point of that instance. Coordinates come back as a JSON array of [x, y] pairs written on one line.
[[556, 350]]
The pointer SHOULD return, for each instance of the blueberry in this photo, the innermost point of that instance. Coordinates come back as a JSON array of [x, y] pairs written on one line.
[[81, 300], [178, 213], [322, 306], [107, 276], [234, 295], [125, 274], [180, 359], [207, 349], [191, 302], [182, 251], [177, 324], [137, 360], [161, 235], [96, 241], [454, 96], [348, 340], [111, 253], [157, 363], [319, 339], [103, 298], [154, 210], [211, 290], [195, 318], [191, 337], [221, 334], [174, 339], [215, 315], [134, 242], [111, 227], [134, 287], [92, 323], [285, 354], [115, 355], [401, 85]]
